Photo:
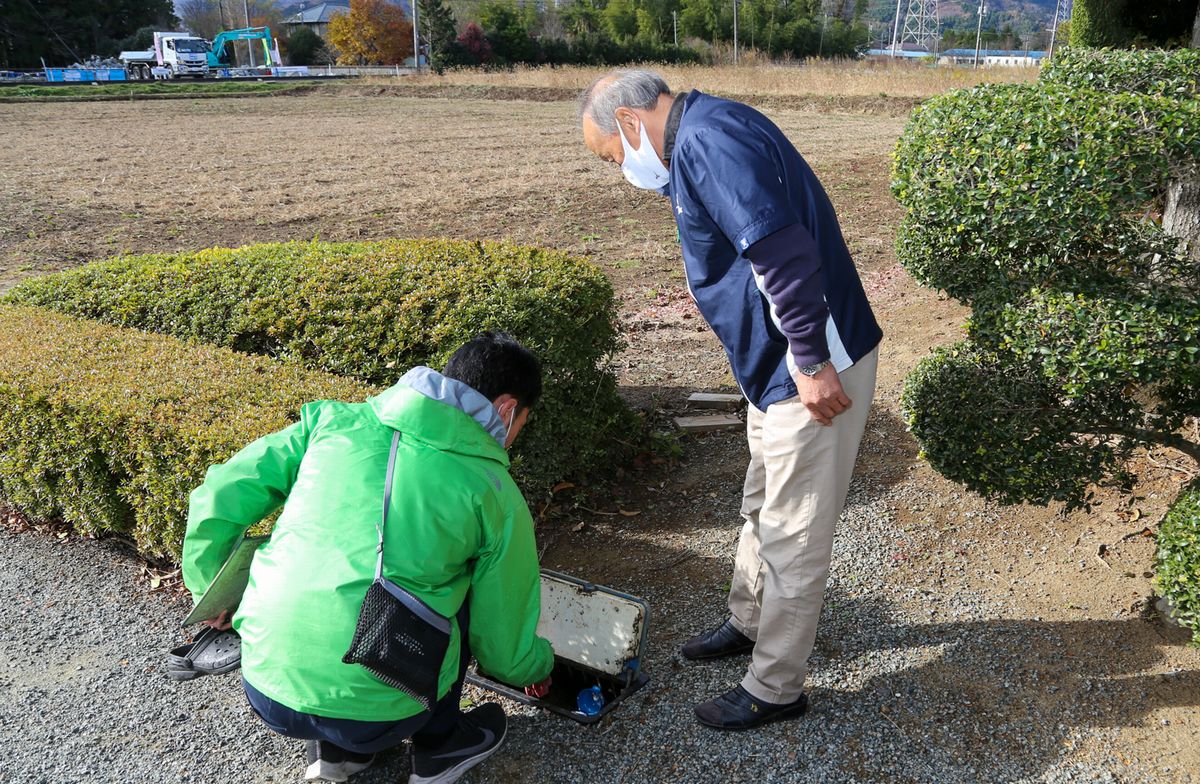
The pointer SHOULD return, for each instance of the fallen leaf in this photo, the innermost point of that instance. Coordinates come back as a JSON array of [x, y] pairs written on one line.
[[578, 526], [627, 513], [558, 488], [155, 581]]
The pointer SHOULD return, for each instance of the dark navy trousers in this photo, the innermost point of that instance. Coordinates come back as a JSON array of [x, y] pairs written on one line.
[[428, 729]]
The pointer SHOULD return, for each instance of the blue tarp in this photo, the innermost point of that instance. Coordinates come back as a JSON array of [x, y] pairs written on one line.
[[85, 74]]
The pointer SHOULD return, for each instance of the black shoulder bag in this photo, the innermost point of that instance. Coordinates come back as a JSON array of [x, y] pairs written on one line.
[[399, 639]]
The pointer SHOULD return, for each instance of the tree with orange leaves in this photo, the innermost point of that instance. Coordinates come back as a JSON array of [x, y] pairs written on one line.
[[374, 32]]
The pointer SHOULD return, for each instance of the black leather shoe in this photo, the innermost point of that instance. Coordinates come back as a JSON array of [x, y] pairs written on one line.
[[738, 710], [725, 640]]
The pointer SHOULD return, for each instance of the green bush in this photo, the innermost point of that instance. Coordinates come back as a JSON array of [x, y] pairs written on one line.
[[110, 429], [1177, 574], [1140, 23], [371, 310], [1163, 72], [1000, 429], [304, 46], [1011, 186], [1031, 204], [1099, 23]]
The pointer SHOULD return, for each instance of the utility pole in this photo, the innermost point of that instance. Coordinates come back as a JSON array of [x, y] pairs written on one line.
[[979, 31], [735, 36], [896, 30], [249, 43], [416, 39], [675, 25]]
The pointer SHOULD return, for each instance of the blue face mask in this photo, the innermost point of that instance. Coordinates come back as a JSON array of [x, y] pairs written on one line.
[[642, 167]]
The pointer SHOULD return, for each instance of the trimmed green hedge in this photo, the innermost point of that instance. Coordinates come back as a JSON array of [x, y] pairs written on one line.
[[1012, 186], [1001, 429], [1082, 341], [1178, 562], [370, 310], [1029, 204], [1163, 72], [110, 429]]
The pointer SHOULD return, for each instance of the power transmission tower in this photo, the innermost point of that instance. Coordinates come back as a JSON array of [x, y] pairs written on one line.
[[1062, 12], [921, 24]]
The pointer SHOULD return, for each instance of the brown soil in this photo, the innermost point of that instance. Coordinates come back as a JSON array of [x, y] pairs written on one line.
[[85, 181]]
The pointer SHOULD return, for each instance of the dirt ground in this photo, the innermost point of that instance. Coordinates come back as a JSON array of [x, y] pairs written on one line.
[[88, 180]]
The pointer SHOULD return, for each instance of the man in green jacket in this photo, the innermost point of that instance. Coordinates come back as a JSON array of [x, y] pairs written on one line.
[[459, 536]]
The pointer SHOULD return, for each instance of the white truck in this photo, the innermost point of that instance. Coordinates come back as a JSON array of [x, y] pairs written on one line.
[[173, 55]]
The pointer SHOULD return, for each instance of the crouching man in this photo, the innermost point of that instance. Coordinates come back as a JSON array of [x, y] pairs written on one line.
[[457, 536]]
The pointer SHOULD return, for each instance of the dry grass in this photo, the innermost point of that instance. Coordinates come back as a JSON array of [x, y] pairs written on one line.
[[817, 78], [350, 167]]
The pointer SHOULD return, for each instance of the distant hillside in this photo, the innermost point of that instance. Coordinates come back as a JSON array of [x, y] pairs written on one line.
[[1025, 23]]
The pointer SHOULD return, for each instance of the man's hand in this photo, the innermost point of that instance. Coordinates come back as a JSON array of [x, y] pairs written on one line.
[[538, 690], [822, 394], [221, 622]]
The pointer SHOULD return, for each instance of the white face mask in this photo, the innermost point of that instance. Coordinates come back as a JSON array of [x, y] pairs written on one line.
[[511, 421], [642, 167]]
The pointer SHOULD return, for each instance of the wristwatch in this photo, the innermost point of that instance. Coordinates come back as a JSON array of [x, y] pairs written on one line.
[[812, 370]]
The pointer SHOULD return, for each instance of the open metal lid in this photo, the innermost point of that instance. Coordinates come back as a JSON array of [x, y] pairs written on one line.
[[597, 627]]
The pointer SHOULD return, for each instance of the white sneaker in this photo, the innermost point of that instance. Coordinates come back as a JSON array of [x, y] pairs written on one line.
[[327, 762]]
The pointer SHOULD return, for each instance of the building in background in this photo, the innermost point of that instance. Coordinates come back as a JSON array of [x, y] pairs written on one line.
[[906, 51], [315, 17], [1009, 57]]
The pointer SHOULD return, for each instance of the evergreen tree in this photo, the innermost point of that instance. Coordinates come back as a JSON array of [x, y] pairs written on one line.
[[620, 19], [1141, 22], [439, 30], [304, 46], [506, 33], [66, 31]]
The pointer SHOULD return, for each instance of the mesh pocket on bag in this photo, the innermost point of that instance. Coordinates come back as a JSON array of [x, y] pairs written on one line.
[[399, 645]]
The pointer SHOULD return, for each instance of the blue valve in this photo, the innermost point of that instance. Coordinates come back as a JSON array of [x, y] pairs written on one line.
[[590, 701]]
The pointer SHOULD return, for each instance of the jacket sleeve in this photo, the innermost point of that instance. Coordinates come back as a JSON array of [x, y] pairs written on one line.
[[788, 263], [235, 495], [506, 597], [737, 178]]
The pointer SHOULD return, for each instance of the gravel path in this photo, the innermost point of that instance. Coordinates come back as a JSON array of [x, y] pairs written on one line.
[[906, 686]]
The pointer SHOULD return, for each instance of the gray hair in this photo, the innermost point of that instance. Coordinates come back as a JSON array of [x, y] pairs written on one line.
[[630, 89]]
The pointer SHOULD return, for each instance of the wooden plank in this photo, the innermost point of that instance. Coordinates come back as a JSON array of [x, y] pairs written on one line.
[[715, 400], [708, 423]]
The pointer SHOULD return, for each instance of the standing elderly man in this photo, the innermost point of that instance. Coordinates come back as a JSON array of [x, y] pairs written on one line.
[[770, 272]]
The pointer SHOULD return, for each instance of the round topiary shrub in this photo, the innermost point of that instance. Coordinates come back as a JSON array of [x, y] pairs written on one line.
[[1030, 204], [1177, 576]]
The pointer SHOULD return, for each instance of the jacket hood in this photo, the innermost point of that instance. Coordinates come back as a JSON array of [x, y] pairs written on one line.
[[443, 412]]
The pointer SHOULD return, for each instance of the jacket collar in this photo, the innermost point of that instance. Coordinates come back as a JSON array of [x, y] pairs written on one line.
[[674, 117], [455, 393], [444, 412]]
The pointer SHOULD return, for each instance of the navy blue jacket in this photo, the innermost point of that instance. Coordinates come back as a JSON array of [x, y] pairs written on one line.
[[762, 249]]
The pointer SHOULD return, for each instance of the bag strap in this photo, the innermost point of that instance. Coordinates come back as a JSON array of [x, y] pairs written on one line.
[[387, 501]]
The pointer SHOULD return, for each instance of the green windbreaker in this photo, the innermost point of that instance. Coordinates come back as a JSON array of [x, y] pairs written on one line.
[[458, 527]]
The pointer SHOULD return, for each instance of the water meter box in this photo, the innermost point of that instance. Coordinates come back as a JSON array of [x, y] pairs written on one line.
[[598, 635]]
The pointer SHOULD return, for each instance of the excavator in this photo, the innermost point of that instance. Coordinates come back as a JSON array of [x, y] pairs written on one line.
[[220, 54]]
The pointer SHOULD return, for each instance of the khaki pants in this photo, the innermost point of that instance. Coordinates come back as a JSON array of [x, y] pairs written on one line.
[[795, 489]]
